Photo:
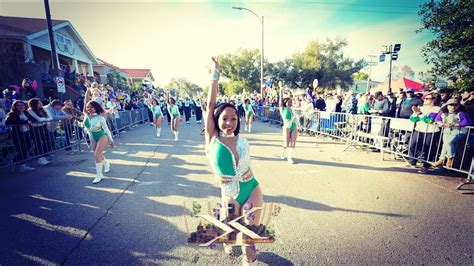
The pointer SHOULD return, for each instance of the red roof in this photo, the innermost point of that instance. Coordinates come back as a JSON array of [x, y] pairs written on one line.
[[110, 65], [137, 73], [16, 26]]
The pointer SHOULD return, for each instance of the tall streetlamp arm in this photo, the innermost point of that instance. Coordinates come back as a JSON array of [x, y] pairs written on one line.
[[243, 8]]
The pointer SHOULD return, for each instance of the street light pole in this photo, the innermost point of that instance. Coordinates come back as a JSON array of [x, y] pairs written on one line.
[[262, 51]]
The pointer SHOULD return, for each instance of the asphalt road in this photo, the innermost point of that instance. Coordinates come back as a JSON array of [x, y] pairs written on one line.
[[336, 207]]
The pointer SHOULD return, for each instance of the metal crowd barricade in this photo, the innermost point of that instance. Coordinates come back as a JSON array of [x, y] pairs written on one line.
[[21, 143], [394, 136]]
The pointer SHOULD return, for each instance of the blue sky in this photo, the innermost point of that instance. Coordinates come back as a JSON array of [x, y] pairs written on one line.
[[177, 39]]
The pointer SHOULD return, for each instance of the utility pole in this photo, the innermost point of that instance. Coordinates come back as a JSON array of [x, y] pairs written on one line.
[[54, 55], [370, 63]]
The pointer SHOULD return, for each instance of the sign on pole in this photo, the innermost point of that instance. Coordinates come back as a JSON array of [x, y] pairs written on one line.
[[60, 85]]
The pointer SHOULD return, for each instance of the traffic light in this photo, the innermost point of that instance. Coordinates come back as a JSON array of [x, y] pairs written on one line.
[[397, 47], [382, 58]]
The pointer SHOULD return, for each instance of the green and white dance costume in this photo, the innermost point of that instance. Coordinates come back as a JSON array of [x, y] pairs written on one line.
[[248, 112], [223, 163], [96, 128], [288, 123], [157, 113], [173, 110]]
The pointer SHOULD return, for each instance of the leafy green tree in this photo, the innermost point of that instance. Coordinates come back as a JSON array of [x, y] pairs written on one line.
[[241, 69], [116, 80], [184, 86], [323, 61], [451, 52], [137, 86], [360, 76]]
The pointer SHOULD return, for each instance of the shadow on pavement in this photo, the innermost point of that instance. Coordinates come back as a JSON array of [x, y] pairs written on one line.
[[315, 206]]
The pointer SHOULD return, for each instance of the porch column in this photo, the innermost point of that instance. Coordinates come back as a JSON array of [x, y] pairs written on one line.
[[90, 69], [28, 53], [75, 65]]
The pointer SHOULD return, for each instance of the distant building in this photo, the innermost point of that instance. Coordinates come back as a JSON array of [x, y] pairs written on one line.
[[144, 76], [26, 52], [103, 73], [360, 86]]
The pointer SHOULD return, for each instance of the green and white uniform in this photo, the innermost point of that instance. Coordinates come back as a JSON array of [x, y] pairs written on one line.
[[288, 119], [155, 109], [248, 110], [97, 127], [173, 110], [223, 163]]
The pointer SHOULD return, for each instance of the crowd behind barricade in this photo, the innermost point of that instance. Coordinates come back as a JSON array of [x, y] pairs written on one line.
[[430, 128], [31, 128]]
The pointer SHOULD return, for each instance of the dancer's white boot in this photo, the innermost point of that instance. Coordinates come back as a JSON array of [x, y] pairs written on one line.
[[106, 166], [282, 153], [99, 175], [290, 155], [158, 131]]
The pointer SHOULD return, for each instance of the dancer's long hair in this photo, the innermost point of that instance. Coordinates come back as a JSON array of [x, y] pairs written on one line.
[[97, 107], [34, 105], [285, 101], [217, 113]]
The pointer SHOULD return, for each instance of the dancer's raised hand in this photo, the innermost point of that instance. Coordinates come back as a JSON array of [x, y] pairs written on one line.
[[216, 62]]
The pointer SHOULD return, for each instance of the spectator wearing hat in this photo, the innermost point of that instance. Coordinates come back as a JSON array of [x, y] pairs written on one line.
[[406, 110], [69, 125], [381, 105], [55, 109], [453, 121]]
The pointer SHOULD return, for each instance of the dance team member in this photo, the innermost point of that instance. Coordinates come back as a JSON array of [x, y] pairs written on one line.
[[99, 134], [229, 157], [290, 131]]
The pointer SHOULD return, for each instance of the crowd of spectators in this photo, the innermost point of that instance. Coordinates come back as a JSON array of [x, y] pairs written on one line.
[[31, 127], [439, 116]]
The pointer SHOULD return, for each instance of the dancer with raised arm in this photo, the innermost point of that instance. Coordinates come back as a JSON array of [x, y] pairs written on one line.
[[290, 132], [228, 154], [99, 134], [249, 114], [157, 114], [173, 110]]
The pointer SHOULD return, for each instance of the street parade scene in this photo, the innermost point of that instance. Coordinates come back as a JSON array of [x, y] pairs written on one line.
[[236, 133]]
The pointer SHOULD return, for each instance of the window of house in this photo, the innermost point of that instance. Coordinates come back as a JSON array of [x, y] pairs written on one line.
[[64, 41]]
